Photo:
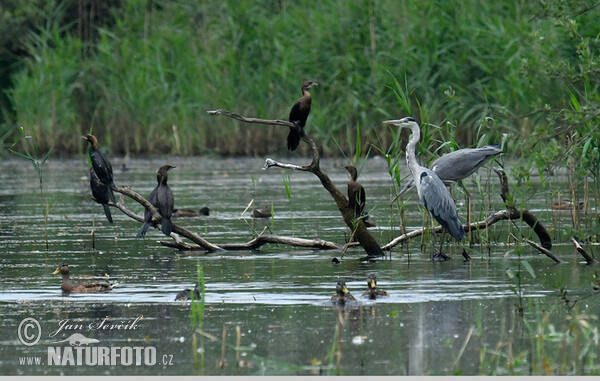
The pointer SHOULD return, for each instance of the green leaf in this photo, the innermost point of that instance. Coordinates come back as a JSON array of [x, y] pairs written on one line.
[[528, 268]]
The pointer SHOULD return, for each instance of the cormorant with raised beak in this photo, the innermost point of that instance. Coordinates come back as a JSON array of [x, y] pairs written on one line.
[[101, 165], [298, 116], [162, 198]]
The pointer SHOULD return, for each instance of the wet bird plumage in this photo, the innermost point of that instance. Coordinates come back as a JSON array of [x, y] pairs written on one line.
[[298, 115], [162, 199]]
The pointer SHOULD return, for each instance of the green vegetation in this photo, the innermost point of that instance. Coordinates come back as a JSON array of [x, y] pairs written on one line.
[[143, 73], [37, 160], [147, 70]]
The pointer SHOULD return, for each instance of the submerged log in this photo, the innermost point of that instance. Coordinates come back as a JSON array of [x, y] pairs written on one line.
[[584, 254], [357, 227]]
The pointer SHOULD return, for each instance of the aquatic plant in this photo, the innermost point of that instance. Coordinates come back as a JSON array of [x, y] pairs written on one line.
[[37, 160]]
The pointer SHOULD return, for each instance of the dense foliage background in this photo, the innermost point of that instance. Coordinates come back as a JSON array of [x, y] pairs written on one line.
[[142, 74]]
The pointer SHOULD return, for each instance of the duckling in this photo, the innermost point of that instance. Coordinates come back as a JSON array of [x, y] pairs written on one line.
[[89, 287], [342, 295], [372, 292], [187, 294]]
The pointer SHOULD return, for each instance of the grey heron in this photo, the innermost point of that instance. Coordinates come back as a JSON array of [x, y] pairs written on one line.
[[431, 190], [456, 166]]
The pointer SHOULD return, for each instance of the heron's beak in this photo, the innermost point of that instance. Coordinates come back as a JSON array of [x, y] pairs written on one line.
[[56, 272], [83, 137], [314, 84], [394, 122]]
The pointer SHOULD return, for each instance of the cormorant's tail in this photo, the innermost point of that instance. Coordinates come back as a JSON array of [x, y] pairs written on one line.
[[293, 138], [111, 195], [166, 226], [143, 230], [107, 213]]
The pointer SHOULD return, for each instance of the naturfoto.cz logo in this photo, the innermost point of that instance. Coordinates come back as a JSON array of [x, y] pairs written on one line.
[[77, 349]]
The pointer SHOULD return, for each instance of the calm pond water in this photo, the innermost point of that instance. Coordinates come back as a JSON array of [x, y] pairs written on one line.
[[440, 318]]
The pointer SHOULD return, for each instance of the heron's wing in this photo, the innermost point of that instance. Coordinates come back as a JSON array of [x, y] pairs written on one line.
[[458, 165], [438, 201]]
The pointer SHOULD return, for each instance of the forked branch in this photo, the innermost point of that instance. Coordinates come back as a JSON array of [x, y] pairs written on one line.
[[360, 232]]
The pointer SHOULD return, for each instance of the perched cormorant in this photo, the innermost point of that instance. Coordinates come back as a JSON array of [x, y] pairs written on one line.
[[342, 295], [187, 294], [101, 165], [88, 287], [356, 192], [372, 292], [298, 116], [101, 193], [162, 198]]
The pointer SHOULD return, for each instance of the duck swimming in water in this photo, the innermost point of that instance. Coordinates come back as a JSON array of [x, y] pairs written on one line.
[[83, 288]]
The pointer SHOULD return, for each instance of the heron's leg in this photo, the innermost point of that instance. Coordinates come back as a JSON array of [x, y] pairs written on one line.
[[460, 183], [439, 255]]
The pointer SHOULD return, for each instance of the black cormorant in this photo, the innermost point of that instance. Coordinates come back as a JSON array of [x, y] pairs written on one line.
[[298, 116], [101, 165], [101, 193], [162, 198]]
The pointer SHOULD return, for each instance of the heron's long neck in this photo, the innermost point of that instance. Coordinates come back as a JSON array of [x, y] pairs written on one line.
[[411, 158]]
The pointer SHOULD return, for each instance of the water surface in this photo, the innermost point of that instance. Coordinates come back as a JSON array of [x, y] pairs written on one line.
[[440, 318]]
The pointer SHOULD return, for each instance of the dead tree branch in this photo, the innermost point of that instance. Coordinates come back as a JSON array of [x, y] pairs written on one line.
[[261, 240], [358, 228], [543, 250], [584, 254], [200, 243], [127, 191], [511, 213], [524, 214]]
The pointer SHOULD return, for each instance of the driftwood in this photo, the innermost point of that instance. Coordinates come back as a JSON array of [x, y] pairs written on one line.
[[584, 254], [358, 228], [261, 240]]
